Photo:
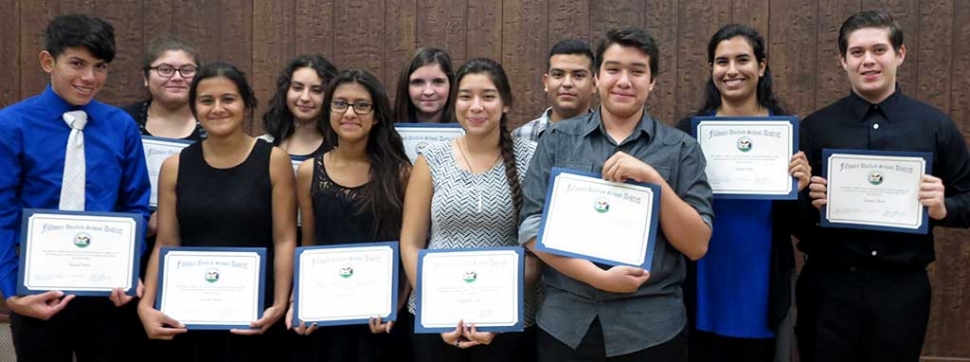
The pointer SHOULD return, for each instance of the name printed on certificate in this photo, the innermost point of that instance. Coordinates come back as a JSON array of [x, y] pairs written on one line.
[[606, 222], [212, 288], [346, 284], [483, 287], [417, 136], [81, 253], [748, 158], [875, 190], [156, 151]]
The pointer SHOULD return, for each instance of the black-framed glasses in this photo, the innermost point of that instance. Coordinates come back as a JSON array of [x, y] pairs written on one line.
[[360, 108], [167, 71]]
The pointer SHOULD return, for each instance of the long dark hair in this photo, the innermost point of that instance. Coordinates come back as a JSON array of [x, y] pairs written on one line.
[[383, 196], [766, 97], [403, 107], [278, 119], [497, 75]]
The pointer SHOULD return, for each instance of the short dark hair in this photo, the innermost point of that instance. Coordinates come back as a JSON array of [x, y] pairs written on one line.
[[570, 47], [163, 43], [79, 30], [631, 36], [228, 71], [870, 19], [403, 107]]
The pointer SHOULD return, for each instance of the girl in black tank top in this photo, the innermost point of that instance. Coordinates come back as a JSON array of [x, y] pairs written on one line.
[[354, 194], [230, 190]]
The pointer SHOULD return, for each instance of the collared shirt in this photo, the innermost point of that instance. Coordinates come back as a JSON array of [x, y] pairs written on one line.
[[32, 159], [655, 313], [898, 123], [532, 130]]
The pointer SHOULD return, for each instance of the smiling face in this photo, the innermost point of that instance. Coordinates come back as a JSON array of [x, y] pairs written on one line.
[[305, 96], [735, 70], [871, 62], [624, 81], [479, 106], [76, 75], [428, 88], [174, 89], [569, 84], [219, 106], [348, 125]]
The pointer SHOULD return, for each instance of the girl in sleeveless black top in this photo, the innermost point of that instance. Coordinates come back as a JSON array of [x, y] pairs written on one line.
[[354, 194], [230, 190]]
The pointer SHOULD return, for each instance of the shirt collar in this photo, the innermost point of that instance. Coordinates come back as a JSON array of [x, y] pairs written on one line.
[[890, 106], [645, 126], [57, 106]]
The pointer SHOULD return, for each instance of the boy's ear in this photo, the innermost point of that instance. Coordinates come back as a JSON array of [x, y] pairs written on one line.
[[46, 61]]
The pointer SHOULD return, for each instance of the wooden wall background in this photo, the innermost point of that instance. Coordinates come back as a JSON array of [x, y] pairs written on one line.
[[259, 36]]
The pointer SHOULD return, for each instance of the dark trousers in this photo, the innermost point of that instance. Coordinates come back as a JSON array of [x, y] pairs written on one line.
[[91, 328], [593, 349], [215, 346], [858, 315], [710, 347]]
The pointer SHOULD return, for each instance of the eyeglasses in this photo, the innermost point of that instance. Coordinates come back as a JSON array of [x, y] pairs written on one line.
[[360, 108], [167, 71]]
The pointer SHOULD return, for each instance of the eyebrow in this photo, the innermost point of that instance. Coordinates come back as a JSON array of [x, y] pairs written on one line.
[[613, 62]]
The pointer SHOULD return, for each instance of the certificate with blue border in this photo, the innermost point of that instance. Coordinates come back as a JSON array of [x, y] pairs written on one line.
[[157, 149], [748, 157], [875, 190], [605, 222], [480, 286], [211, 288], [345, 284], [417, 136], [79, 252]]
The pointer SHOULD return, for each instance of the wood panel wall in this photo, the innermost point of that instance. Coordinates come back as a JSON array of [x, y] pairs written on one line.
[[259, 36]]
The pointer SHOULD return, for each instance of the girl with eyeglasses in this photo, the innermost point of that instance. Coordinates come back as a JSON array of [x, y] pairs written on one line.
[[354, 193], [294, 111]]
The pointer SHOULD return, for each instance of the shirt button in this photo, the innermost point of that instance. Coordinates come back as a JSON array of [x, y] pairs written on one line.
[[874, 253], [875, 126]]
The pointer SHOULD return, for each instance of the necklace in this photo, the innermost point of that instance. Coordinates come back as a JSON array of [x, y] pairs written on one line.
[[471, 168]]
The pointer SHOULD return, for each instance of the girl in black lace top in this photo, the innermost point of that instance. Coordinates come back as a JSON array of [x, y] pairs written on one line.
[[354, 194]]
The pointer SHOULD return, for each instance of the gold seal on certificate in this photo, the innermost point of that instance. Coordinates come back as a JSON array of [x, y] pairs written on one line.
[[483, 287], [607, 222], [156, 151], [875, 190], [417, 136], [81, 253], [747, 158], [345, 284], [211, 288]]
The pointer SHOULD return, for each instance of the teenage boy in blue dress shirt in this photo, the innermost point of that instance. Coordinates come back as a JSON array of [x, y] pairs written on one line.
[[53, 326]]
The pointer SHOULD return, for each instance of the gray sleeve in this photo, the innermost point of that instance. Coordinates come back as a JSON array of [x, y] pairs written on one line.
[[534, 188], [691, 182]]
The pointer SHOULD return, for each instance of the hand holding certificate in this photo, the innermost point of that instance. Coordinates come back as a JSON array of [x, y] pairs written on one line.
[[606, 222], [156, 151], [417, 136], [875, 190], [345, 284], [211, 288], [482, 287], [81, 253], [748, 158]]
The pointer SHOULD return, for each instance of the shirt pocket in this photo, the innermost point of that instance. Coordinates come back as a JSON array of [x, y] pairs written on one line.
[[585, 166], [665, 173]]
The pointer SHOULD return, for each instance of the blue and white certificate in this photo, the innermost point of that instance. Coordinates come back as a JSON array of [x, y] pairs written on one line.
[[417, 136], [345, 284], [483, 287], [747, 158], [606, 222], [80, 253], [211, 288], [876, 190], [157, 149]]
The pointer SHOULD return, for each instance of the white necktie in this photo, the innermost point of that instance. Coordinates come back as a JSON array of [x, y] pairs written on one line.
[[72, 184]]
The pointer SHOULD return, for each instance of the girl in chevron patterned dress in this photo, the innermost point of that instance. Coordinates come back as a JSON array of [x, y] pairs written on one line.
[[467, 192]]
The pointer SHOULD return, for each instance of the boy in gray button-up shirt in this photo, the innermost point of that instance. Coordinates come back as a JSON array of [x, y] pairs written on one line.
[[591, 313]]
